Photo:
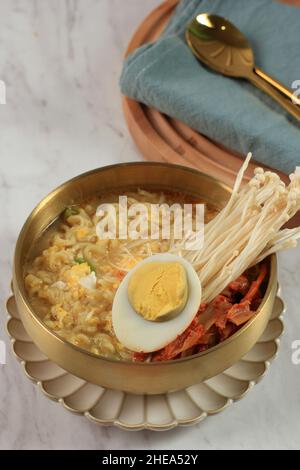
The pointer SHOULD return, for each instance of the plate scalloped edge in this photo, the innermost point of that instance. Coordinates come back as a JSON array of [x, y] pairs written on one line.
[[152, 412]]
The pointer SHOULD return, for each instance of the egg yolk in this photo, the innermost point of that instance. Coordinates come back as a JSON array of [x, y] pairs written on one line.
[[157, 290]]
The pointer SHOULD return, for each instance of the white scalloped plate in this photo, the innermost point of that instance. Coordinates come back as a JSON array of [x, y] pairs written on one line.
[[136, 412]]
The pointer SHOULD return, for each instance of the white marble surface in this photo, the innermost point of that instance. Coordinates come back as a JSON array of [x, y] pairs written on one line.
[[60, 61]]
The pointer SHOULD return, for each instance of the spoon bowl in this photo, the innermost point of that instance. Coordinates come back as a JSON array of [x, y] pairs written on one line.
[[220, 45], [223, 47]]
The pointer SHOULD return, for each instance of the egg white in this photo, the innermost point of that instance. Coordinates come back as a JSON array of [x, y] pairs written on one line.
[[138, 334]]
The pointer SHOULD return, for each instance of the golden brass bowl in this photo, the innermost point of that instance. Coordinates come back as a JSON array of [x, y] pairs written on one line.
[[148, 378]]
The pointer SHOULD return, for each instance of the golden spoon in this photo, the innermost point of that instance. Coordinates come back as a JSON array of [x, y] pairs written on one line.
[[222, 47]]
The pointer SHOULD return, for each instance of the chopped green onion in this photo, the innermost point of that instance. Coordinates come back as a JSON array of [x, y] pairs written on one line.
[[72, 210], [82, 260]]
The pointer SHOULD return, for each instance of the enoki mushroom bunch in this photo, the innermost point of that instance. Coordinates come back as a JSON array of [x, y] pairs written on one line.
[[247, 229]]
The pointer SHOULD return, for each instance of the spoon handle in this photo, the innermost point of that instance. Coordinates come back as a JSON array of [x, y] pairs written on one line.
[[287, 104], [279, 86]]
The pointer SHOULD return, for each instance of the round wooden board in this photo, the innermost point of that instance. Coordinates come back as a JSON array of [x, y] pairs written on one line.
[[162, 138]]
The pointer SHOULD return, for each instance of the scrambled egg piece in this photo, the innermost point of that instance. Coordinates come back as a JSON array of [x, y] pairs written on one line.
[[63, 318], [75, 273], [81, 233]]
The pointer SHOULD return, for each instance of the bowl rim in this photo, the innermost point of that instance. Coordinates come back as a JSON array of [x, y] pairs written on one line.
[[272, 259]]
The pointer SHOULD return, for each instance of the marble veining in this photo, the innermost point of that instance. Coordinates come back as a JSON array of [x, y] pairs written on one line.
[[60, 61]]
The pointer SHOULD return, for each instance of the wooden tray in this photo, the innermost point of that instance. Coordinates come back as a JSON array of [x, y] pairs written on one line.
[[162, 138]]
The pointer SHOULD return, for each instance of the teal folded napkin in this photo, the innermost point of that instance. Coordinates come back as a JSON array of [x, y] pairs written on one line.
[[167, 76]]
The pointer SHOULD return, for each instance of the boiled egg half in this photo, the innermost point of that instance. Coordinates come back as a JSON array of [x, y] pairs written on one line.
[[155, 302]]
